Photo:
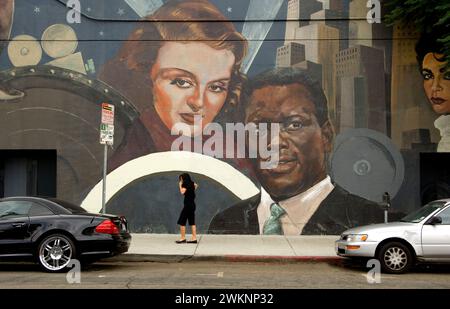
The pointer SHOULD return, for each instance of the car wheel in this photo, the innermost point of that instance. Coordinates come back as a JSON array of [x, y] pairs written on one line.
[[395, 258], [55, 252]]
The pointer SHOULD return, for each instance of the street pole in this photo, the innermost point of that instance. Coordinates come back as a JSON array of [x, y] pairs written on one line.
[[105, 164], [387, 205], [106, 138]]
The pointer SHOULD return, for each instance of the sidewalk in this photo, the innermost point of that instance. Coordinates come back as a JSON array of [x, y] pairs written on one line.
[[162, 248]]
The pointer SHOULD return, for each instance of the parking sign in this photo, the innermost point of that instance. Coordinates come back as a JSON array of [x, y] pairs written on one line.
[[107, 125]]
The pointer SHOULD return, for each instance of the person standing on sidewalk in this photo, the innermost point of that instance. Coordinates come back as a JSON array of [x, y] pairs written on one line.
[[187, 188]]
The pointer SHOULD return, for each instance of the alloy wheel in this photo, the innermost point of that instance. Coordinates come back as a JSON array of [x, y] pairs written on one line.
[[55, 252]]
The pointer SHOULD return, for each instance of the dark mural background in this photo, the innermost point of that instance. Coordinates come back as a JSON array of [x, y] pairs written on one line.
[[55, 75]]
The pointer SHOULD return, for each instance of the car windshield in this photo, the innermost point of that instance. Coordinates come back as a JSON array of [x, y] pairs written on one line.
[[423, 212], [69, 206]]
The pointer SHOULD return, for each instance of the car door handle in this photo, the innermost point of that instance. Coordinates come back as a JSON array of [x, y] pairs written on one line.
[[21, 224]]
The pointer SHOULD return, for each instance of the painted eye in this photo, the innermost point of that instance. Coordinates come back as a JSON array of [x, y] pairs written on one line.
[[217, 88], [295, 125], [181, 83], [447, 75], [427, 75]]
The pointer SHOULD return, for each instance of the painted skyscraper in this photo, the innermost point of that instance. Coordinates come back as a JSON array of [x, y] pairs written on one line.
[[321, 43], [361, 98]]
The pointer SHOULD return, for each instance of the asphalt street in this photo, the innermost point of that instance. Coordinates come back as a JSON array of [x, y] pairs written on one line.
[[220, 275]]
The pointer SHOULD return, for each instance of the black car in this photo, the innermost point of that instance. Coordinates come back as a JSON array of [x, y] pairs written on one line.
[[52, 232]]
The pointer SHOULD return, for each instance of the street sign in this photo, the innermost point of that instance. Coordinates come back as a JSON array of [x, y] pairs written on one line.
[[106, 138], [107, 113], [107, 125], [106, 134]]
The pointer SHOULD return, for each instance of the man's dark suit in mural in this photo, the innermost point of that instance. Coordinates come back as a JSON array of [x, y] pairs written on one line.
[[339, 211], [312, 204]]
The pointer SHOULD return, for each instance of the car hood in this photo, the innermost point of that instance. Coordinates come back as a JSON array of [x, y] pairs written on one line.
[[402, 226]]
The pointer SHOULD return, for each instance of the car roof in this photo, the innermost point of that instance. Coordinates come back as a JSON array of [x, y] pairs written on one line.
[[53, 205], [446, 200]]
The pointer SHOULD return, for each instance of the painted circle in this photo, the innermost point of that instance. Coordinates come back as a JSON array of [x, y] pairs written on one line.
[[362, 167], [367, 163], [24, 50], [59, 40]]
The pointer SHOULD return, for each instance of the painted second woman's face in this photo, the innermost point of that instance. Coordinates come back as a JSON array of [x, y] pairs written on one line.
[[436, 82], [190, 80]]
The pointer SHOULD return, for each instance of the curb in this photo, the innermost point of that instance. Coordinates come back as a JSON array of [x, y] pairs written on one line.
[[283, 259], [223, 258]]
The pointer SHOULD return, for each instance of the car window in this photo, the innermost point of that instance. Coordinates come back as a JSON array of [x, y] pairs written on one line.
[[423, 212], [445, 215], [75, 209], [39, 210], [13, 209]]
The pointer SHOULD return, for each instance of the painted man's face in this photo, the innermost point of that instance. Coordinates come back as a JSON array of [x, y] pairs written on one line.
[[303, 143], [436, 82], [190, 80]]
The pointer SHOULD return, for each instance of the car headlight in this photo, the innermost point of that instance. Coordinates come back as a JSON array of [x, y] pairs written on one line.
[[355, 237]]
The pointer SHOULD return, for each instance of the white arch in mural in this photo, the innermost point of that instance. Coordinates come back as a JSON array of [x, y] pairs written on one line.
[[153, 163]]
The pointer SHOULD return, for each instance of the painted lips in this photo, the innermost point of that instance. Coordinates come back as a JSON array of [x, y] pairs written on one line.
[[437, 101], [189, 118], [285, 165]]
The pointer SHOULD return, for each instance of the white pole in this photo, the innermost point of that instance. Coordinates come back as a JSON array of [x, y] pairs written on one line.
[[105, 162]]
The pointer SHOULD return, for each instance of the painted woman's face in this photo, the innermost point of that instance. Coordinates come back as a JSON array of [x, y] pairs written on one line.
[[190, 80], [436, 82]]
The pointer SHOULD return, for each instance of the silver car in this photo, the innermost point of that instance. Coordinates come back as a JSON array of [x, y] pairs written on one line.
[[422, 236]]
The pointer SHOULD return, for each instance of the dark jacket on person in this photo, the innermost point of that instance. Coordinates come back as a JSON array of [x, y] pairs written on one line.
[[339, 211]]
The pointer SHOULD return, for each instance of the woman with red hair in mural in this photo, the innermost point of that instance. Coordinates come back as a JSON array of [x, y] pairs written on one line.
[[436, 81], [180, 65]]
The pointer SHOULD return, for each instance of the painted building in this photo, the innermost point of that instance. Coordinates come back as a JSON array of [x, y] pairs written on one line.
[[361, 69], [302, 104]]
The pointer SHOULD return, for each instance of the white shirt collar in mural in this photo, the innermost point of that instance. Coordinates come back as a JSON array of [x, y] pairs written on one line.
[[443, 125], [299, 209]]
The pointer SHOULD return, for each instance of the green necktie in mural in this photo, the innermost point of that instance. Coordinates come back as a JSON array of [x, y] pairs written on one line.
[[273, 225]]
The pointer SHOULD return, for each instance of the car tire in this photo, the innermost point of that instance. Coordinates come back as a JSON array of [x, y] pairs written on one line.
[[395, 258], [55, 252]]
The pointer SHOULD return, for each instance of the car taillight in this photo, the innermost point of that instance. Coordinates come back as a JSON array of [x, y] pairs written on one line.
[[107, 227]]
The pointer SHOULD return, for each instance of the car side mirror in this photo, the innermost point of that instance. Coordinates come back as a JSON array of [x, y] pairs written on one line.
[[435, 220]]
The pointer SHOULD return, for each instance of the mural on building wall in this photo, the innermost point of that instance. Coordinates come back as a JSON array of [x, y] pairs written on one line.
[[436, 84], [354, 107]]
